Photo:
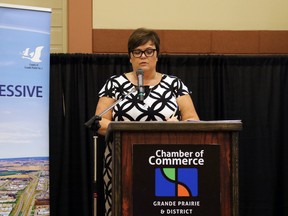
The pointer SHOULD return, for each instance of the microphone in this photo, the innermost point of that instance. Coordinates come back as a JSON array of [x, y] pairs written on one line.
[[140, 74]]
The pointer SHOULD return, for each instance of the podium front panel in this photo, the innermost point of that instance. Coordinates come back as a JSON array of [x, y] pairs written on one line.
[[216, 146]]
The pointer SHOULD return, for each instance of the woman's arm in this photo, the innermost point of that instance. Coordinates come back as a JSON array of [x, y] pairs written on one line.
[[103, 104], [187, 109]]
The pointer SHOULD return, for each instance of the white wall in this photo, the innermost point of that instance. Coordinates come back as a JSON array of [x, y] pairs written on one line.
[[191, 14]]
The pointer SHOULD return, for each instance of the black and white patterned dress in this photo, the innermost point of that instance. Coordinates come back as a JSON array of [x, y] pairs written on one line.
[[159, 104]]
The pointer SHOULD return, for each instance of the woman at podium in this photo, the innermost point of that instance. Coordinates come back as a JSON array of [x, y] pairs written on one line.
[[143, 94]]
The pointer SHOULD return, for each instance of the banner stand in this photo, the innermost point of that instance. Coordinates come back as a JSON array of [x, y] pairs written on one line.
[[24, 110]]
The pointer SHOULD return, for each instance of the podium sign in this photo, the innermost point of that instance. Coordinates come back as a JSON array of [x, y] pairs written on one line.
[[176, 180]]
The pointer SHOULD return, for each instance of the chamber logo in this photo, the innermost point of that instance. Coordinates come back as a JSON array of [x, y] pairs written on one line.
[[34, 56], [176, 182]]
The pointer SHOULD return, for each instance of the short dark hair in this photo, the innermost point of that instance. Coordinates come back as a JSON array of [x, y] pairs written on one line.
[[141, 36]]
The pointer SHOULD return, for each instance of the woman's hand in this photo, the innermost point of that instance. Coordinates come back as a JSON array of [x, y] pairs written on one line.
[[172, 119]]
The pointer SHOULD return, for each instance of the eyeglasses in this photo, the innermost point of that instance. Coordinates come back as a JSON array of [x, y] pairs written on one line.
[[138, 53]]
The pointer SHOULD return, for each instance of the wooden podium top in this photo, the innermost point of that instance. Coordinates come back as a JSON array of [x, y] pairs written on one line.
[[223, 125]]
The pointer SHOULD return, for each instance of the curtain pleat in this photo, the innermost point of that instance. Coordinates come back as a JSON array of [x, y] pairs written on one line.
[[251, 88]]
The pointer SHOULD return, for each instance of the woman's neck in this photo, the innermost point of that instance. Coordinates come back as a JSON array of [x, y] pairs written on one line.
[[149, 79]]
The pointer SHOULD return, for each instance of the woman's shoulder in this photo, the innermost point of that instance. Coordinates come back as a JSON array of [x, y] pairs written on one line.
[[119, 78], [173, 80], [169, 77], [116, 76]]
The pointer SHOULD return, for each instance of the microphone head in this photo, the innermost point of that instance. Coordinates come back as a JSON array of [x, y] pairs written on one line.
[[139, 72]]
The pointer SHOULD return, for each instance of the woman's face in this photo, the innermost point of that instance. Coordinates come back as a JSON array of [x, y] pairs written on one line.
[[146, 61]]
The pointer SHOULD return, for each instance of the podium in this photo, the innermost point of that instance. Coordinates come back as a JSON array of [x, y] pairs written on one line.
[[174, 168]]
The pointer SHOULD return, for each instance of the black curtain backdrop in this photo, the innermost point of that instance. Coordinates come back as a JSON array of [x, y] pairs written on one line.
[[251, 88]]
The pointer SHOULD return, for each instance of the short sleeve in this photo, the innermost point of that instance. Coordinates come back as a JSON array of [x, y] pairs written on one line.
[[178, 87], [182, 89], [108, 90]]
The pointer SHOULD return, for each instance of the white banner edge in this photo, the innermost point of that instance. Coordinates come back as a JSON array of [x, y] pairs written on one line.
[[23, 7]]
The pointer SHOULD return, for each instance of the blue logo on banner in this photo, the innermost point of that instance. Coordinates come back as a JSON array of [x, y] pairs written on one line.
[[176, 182]]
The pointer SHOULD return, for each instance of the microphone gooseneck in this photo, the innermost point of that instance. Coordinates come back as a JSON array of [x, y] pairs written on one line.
[[140, 74]]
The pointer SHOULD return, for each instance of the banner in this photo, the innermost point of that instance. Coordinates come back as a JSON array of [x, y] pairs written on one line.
[[24, 110]]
